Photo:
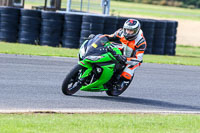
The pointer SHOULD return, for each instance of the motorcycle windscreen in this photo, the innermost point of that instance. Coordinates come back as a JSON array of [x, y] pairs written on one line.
[[95, 46]]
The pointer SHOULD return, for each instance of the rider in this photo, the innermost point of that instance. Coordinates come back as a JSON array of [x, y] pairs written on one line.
[[133, 45]]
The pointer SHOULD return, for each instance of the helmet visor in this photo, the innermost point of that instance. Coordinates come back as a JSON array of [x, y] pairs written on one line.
[[131, 31]]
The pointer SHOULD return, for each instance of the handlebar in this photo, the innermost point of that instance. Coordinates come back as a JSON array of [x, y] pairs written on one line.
[[109, 49]]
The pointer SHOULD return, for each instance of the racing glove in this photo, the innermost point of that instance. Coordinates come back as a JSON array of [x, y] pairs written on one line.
[[109, 49], [121, 58]]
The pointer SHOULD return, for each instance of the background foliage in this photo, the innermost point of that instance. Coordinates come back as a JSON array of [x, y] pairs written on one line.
[[177, 3]]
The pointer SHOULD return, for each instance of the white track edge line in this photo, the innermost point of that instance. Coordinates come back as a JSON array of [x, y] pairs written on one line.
[[74, 111]]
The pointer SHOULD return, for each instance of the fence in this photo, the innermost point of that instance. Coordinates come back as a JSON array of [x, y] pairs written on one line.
[[92, 6]]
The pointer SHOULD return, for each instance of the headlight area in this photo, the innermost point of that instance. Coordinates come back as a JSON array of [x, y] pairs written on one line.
[[94, 58], [82, 52]]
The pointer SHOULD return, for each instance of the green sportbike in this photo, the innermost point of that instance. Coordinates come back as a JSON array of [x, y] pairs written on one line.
[[98, 69]]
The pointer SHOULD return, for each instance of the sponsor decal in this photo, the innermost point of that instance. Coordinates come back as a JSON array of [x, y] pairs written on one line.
[[94, 45]]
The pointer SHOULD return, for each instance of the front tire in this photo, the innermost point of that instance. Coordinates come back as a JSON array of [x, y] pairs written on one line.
[[70, 84]]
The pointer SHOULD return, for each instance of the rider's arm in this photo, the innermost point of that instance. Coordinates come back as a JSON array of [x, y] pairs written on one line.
[[139, 51], [115, 36]]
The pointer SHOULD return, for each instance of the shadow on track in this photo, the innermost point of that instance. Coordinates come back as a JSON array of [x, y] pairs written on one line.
[[141, 101]]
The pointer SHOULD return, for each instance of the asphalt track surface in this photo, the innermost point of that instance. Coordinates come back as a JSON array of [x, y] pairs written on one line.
[[33, 83]]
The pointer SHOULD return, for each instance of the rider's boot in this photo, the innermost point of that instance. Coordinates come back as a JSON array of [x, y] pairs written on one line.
[[123, 81]]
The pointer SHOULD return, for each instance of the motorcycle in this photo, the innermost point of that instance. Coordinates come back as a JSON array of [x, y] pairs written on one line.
[[98, 69]]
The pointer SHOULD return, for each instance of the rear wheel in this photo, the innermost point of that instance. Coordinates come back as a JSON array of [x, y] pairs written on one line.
[[70, 84], [118, 90]]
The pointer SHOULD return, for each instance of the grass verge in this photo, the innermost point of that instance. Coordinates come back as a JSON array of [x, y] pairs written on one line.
[[131, 8], [185, 55], [120, 8], [25, 49], [99, 123]]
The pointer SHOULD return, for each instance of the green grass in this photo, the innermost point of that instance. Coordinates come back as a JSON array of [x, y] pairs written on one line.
[[131, 9], [186, 55], [25, 49], [99, 123]]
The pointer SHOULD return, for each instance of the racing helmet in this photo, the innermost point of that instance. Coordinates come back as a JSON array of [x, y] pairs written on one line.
[[133, 25]]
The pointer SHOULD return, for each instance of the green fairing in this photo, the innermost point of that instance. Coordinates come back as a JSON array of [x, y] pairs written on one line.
[[108, 71], [105, 77], [88, 66]]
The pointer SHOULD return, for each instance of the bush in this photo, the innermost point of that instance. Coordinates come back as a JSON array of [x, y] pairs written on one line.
[[163, 2], [191, 6]]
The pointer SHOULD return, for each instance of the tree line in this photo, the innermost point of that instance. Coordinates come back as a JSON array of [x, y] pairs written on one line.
[[176, 3]]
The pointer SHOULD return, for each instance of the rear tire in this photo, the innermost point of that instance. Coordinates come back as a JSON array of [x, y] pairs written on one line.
[[70, 84], [116, 92]]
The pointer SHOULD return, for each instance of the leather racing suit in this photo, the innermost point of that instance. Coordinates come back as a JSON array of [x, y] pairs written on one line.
[[133, 50]]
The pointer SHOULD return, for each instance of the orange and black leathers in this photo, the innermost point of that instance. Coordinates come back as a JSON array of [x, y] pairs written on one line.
[[133, 50]]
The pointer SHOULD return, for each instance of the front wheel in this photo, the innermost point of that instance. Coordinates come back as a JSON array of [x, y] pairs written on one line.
[[70, 84], [116, 90]]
